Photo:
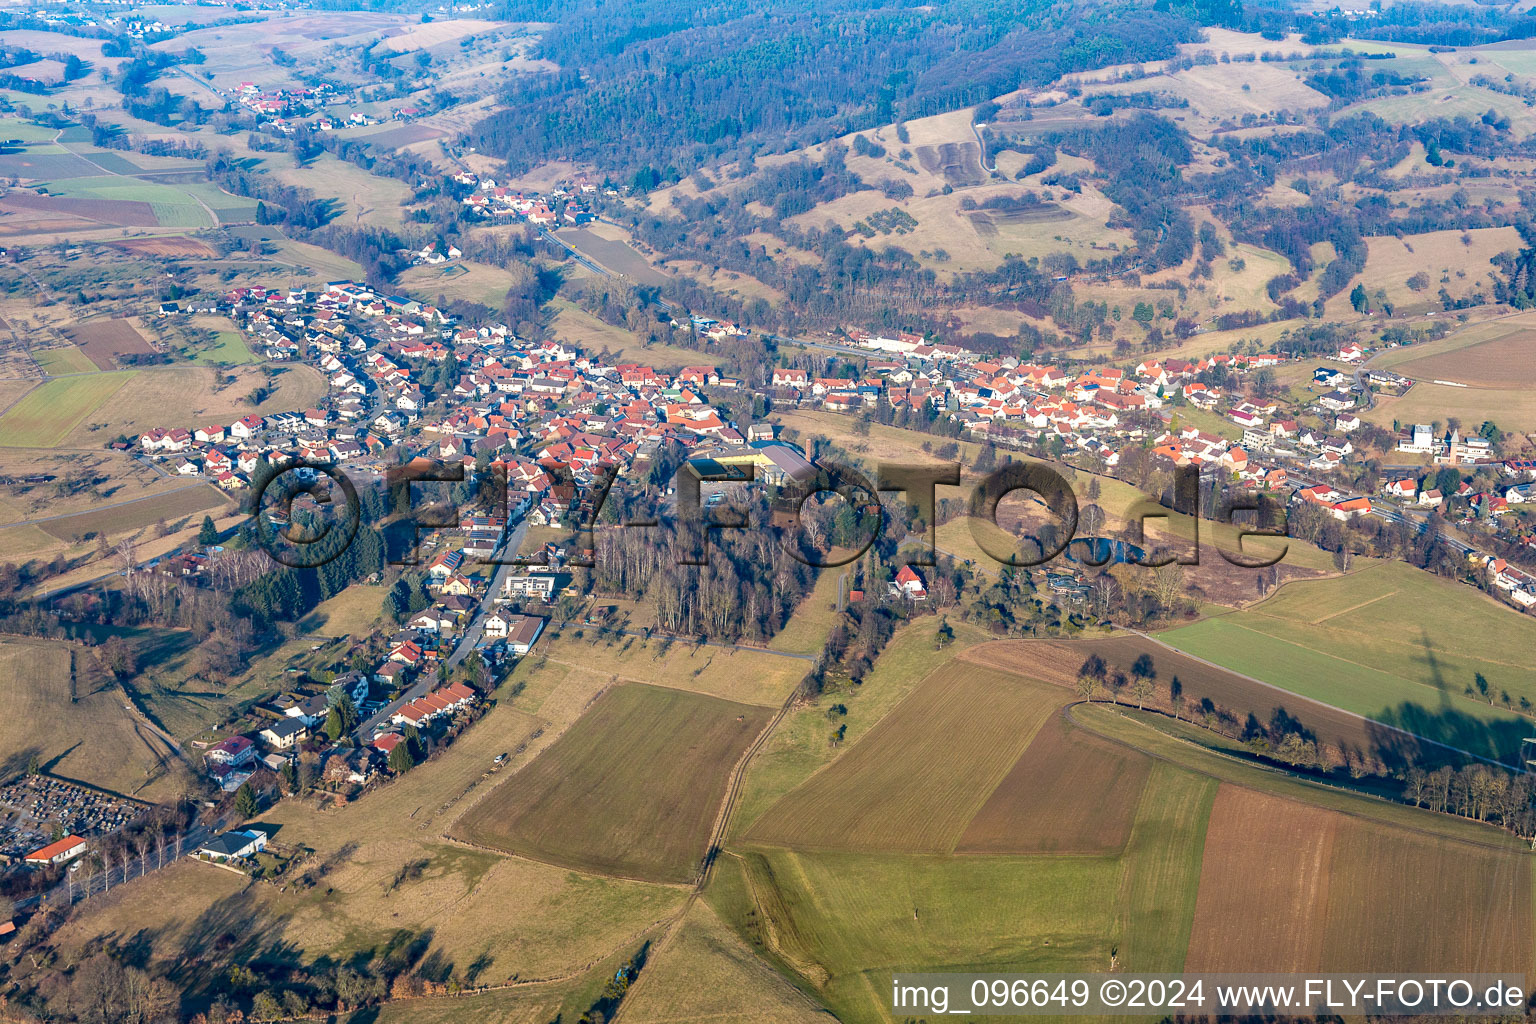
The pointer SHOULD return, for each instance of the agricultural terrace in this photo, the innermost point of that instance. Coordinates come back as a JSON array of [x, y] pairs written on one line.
[[1388, 642], [582, 804]]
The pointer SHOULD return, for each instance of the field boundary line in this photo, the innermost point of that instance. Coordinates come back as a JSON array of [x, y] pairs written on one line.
[[116, 504], [716, 844], [1314, 700], [1516, 845], [1351, 608], [35, 385]]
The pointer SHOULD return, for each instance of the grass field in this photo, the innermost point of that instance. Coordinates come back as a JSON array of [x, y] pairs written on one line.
[[473, 282], [71, 716], [112, 476], [807, 629], [575, 325], [583, 804], [1057, 661], [843, 921], [1509, 408], [709, 974], [745, 676], [1391, 261], [229, 347], [1188, 746], [187, 396], [1388, 642], [56, 362], [362, 197], [160, 508], [50, 412], [870, 800]]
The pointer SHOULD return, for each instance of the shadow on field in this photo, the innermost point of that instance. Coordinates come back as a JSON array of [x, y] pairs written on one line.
[[1493, 739]]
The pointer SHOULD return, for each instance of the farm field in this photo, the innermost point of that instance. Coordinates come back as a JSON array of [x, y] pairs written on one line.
[[1352, 642], [166, 245], [843, 921], [50, 412], [1501, 362], [608, 246], [800, 745], [869, 799], [744, 675], [103, 341], [160, 508], [56, 695], [80, 481], [186, 396], [1314, 889], [57, 362], [172, 206], [1508, 407], [1067, 793], [581, 804], [1057, 661], [85, 213]]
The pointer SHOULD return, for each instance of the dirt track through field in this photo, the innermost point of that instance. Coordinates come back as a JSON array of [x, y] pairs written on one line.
[[1352, 608]]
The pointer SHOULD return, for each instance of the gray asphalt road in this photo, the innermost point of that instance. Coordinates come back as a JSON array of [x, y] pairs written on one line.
[[365, 728]]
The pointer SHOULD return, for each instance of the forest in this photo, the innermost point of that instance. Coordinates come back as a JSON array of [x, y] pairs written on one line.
[[656, 89]]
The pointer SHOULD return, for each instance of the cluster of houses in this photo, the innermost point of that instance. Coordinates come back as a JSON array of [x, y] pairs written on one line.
[[550, 419], [564, 204]]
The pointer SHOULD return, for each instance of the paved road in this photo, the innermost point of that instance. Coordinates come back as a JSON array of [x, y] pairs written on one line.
[[577, 254], [365, 729], [488, 603]]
